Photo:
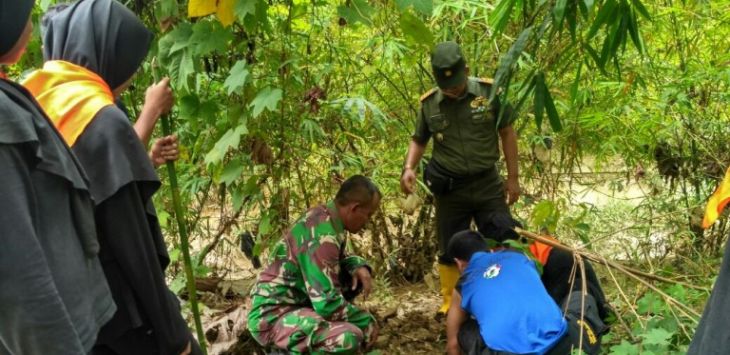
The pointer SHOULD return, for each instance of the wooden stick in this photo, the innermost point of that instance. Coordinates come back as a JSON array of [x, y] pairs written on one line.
[[601, 260]]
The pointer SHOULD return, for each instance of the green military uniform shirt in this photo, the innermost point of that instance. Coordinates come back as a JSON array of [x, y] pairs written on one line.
[[465, 130]]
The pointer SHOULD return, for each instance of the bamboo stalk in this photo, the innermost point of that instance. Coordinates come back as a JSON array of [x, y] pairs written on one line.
[[183, 231], [184, 241]]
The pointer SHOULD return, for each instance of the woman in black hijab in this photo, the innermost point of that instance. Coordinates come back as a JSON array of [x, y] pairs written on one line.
[[53, 294], [105, 43]]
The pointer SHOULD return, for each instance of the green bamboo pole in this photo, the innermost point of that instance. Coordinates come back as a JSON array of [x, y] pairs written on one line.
[[183, 230]]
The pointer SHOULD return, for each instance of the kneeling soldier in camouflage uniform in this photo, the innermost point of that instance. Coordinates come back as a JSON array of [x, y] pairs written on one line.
[[298, 304]]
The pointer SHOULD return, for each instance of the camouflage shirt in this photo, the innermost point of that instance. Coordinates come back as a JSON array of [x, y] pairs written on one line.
[[303, 271]]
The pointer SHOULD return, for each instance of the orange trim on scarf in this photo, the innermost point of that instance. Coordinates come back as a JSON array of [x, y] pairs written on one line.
[[541, 251], [717, 202], [70, 95]]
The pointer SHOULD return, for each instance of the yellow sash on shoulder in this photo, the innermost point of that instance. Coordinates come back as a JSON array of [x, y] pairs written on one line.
[[70, 95]]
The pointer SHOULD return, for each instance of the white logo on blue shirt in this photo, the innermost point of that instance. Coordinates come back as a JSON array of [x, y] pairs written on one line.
[[492, 271]]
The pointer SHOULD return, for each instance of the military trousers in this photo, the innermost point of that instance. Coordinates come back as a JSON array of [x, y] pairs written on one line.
[[302, 330], [470, 199]]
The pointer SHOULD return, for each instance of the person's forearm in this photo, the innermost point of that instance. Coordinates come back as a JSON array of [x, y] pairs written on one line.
[[146, 124], [509, 147], [414, 155], [455, 318]]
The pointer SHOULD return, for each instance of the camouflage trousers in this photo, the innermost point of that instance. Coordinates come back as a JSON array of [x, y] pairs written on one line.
[[302, 330]]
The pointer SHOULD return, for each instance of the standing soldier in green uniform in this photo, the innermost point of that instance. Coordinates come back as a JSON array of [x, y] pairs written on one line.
[[462, 175], [298, 303]]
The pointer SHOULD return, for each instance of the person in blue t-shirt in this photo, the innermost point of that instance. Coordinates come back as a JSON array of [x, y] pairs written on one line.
[[501, 306]]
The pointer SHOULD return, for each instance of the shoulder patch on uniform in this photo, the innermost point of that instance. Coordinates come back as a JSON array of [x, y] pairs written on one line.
[[427, 94], [489, 81]]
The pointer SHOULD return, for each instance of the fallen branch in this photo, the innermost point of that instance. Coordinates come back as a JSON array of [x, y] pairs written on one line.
[[601, 260]]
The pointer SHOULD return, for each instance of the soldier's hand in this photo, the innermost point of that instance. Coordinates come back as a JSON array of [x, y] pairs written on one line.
[[362, 276], [512, 190], [408, 181]]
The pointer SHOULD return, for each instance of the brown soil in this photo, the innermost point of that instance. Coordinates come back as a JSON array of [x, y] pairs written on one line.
[[405, 314]]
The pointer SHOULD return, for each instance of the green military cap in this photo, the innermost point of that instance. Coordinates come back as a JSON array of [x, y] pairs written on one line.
[[448, 64]]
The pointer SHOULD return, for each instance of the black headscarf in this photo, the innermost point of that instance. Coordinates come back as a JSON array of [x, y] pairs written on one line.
[[14, 16], [101, 35]]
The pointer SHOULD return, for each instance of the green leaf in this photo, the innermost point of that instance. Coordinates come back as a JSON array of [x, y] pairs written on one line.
[[572, 18], [237, 78], [415, 30], [678, 292], [576, 83], [501, 15], [311, 130], [163, 217], [657, 336], [357, 11], [178, 284], [625, 348], [634, 32], [244, 8], [231, 139], [650, 303], [542, 213], [237, 198], [267, 98], [232, 172], [642, 10], [45, 4], [180, 37], [559, 11], [265, 225], [174, 255], [210, 36], [176, 55], [539, 102], [594, 55], [166, 9], [606, 48], [551, 111], [585, 7], [604, 14], [504, 71], [425, 7]]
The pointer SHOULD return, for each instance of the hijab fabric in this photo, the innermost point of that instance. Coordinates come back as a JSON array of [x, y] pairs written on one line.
[[91, 47], [14, 15], [103, 36]]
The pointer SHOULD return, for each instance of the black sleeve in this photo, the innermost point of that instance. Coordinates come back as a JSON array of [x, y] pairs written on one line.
[[556, 278], [127, 235], [33, 318]]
